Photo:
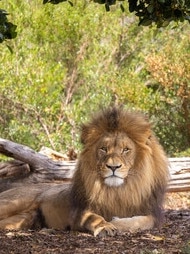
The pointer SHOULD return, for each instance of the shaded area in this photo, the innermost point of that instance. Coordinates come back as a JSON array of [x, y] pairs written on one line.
[[174, 237]]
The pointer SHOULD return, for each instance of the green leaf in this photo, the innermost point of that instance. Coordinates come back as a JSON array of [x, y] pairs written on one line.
[[100, 1], [10, 49], [11, 30], [1, 38], [122, 8], [111, 2], [107, 7], [145, 22], [132, 5], [71, 3], [150, 8]]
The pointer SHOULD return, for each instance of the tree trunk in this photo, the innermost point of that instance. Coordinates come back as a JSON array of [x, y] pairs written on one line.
[[36, 167]]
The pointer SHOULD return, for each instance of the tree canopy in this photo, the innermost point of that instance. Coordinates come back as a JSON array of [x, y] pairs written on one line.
[[7, 29], [160, 12]]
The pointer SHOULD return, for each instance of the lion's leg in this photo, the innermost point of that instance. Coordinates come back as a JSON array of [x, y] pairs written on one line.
[[24, 220], [18, 207], [11, 207], [134, 223], [95, 224]]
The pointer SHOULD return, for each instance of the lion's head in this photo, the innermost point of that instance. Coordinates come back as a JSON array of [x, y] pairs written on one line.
[[115, 155], [122, 170]]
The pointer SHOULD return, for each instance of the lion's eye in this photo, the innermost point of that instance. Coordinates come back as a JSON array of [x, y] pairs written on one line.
[[126, 150], [104, 149]]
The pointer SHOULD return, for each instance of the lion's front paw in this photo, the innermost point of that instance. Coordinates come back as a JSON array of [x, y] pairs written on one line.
[[134, 223], [105, 229]]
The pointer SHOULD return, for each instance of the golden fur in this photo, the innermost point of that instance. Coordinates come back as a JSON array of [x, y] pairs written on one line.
[[119, 183]]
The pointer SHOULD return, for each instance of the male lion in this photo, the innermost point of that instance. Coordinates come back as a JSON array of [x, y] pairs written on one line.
[[119, 183]]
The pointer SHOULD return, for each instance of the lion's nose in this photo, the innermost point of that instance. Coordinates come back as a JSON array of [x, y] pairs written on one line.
[[113, 167]]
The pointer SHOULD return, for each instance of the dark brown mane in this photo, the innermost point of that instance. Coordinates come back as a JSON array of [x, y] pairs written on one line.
[[116, 120]]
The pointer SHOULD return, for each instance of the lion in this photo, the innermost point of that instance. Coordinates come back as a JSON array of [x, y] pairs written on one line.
[[119, 183]]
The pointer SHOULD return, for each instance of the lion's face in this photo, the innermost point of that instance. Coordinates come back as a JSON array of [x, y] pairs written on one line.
[[115, 157]]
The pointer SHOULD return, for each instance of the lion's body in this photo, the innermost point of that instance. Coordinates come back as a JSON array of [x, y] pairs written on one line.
[[122, 172]]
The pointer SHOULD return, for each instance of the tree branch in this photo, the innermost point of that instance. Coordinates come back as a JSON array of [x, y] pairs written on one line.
[[38, 162]]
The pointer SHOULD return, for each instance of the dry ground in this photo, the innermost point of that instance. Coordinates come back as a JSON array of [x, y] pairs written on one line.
[[173, 237]]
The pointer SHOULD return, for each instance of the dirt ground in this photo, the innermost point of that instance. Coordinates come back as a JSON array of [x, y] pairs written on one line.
[[172, 238]]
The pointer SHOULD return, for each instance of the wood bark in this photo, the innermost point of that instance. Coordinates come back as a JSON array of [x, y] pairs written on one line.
[[33, 166], [48, 166], [180, 174]]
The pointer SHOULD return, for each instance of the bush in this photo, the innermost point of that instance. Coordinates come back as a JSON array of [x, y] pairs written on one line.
[[68, 62], [170, 72]]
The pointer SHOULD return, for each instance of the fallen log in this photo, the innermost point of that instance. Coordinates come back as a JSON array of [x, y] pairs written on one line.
[[34, 167], [30, 166], [180, 174]]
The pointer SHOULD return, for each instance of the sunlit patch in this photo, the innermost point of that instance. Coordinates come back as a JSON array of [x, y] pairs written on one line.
[[113, 181]]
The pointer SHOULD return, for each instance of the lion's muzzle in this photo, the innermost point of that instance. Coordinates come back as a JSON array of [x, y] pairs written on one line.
[[113, 167], [113, 177]]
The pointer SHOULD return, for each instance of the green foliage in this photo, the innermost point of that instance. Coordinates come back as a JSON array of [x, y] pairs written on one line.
[[185, 153], [69, 62], [7, 29], [169, 69], [161, 12], [53, 1], [47, 86]]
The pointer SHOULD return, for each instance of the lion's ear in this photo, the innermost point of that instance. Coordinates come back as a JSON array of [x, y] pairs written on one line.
[[88, 134], [148, 140], [84, 134]]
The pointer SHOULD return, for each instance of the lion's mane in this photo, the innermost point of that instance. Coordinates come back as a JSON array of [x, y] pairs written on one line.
[[143, 190]]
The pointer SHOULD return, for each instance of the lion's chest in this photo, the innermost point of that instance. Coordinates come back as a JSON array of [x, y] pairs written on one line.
[[110, 206]]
